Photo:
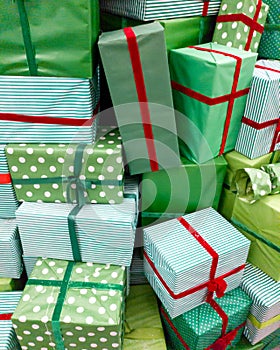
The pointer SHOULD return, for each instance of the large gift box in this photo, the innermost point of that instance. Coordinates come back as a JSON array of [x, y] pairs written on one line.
[[8, 304], [143, 325], [212, 81], [8, 201], [264, 317], [91, 173], [103, 233], [10, 258], [187, 257], [240, 24], [173, 192], [48, 109], [144, 112], [49, 38], [147, 10], [260, 129], [77, 303], [211, 326]]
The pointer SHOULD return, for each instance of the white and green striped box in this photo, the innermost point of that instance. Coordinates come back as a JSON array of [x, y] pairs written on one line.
[[176, 263], [264, 317], [262, 112]]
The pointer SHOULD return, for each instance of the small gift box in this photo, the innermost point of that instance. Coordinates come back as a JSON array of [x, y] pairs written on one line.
[[264, 317], [55, 173], [260, 129], [187, 257], [77, 303]]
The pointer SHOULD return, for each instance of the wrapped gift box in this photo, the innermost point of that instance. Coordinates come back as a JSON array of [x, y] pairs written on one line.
[[272, 341], [180, 190], [240, 24], [144, 113], [264, 317], [270, 41], [102, 233], [210, 80], [48, 38], [76, 302], [59, 173], [176, 250], [260, 129], [9, 284], [10, 258], [8, 304], [8, 201], [203, 328], [143, 324], [149, 10]]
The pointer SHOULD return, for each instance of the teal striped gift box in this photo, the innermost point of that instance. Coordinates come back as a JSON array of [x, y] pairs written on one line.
[[8, 304], [148, 10], [10, 258], [188, 257], [264, 317], [260, 129], [272, 341], [48, 109]]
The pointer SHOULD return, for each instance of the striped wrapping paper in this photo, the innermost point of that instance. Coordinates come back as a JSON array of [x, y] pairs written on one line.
[[260, 129], [137, 275], [10, 258], [8, 201], [272, 341], [102, 233], [264, 316], [28, 104], [8, 304], [148, 10], [182, 263]]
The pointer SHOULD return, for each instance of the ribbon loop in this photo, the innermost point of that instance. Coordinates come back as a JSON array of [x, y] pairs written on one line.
[[218, 286]]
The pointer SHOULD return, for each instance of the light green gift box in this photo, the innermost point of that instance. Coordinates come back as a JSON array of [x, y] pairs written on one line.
[[68, 173], [66, 303]]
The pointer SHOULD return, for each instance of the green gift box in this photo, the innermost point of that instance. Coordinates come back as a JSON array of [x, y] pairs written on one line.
[[68, 173], [66, 303], [240, 24], [245, 345], [109, 22], [272, 341], [143, 324], [9, 284], [144, 112], [49, 38], [212, 81], [182, 190]]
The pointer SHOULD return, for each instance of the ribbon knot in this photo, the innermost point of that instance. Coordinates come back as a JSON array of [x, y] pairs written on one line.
[[218, 286], [223, 342]]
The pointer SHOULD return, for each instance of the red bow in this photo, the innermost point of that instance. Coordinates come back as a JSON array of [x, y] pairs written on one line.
[[218, 286], [5, 317], [223, 342]]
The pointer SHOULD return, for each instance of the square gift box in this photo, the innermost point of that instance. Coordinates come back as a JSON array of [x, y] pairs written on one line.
[[187, 257]]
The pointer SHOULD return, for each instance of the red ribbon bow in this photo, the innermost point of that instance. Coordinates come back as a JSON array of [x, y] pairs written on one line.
[[5, 317], [223, 342], [218, 286]]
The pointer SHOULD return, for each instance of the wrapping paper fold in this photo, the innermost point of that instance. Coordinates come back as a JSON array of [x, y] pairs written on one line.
[[83, 173], [76, 302], [177, 249]]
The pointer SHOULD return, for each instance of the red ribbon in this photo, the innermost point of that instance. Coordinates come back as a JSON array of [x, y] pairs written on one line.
[[5, 179], [267, 68], [276, 137], [205, 8], [251, 32], [5, 317], [219, 286], [142, 95]]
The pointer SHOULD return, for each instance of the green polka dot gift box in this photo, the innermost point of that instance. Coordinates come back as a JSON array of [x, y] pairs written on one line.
[[240, 24], [73, 173], [67, 305]]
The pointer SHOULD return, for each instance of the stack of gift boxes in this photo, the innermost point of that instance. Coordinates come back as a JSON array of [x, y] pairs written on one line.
[[195, 91]]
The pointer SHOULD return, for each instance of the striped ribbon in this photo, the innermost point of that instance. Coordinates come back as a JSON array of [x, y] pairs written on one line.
[[5, 179]]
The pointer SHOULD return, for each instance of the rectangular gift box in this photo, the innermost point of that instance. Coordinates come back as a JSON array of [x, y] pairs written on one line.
[[8, 304], [10, 258], [173, 192], [272, 341], [55, 173], [48, 109], [207, 328], [260, 130], [77, 303], [103, 233], [240, 24], [8, 200], [49, 38], [212, 81], [144, 112], [148, 10], [176, 250], [264, 317]]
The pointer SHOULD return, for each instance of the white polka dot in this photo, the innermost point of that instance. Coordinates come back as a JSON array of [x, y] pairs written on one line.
[[69, 333], [69, 150], [224, 7], [79, 328], [83, 291], [111, 142], [80, 310], [72, 345], [89, 151], [91, 169], [101, 310], [119, 177], [48, 333], [256, 45], [26, 297], [262, 192], [251, 8], [240, 47], [36, 308], [120, 146], [47, 194], [25, 176], [79, 270], [41, 160], [44, 319], [93, 201], [234, 25], [102, 194], [37, 186], [238, 36], [50, 150], [111, 321], [10, 150], [60, 160], [220, 26], [246, 29], [51, 344], [71, 168], [29, 150], [35, 326], [104, 297], [100, 146], [100, 160], [260, 15], [101, 177], [91, 334], [113, 334], [110, 151], [112, 292], [26, 332], [103, 340], [82, 339], [22, 160], [59, 270], [113, 307], [14, 168], [115, 345], [50, 299], [29, 194], [55, 186], [39, 338], [239, 5], [45, 271], [229, 44], [110, 169], [224, 35], [266, 8], [71, 300], [31, 344], [89, 320], [67, 319], [93, 345], [33, 168], [52, 169], [92, 300], [39, 262], [18, 186], [120, 193]]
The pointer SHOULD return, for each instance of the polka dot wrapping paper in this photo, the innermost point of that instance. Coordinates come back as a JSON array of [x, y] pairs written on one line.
[[240, 24], [57, 173], [71, 305]]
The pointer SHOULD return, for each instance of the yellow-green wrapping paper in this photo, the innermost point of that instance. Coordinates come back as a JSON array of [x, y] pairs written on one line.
[[9, 284]]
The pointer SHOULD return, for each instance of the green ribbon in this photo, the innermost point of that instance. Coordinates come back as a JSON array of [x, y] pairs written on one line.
[[72, 233], [147, 214], [29, 49]]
